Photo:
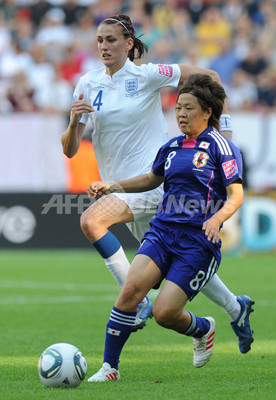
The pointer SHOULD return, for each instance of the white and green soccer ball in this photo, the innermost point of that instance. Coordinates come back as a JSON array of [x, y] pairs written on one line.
[[62, 365]]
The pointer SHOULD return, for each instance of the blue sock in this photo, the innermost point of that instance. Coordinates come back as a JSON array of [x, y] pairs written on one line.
[[118, 330], [198, 327], [107, 245]]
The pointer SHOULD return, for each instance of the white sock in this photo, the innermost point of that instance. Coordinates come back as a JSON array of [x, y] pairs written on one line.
[[118, 265], [216, 291]]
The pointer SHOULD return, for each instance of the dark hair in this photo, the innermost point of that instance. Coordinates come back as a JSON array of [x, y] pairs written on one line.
[[209, 94], [128, 31]]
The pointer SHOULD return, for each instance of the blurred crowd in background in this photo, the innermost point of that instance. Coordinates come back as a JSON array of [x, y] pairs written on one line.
[[45, 46]]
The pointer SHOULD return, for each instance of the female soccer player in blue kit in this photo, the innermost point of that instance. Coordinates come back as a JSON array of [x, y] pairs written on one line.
[[124, 105], [202, 175]]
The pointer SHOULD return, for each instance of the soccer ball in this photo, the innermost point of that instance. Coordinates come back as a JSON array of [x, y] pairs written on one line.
[[62, 365]]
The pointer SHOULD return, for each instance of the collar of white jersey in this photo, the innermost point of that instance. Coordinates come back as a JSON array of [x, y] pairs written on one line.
[[127, 65]]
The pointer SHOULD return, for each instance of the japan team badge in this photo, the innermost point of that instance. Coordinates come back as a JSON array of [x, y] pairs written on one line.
[[200, 159]]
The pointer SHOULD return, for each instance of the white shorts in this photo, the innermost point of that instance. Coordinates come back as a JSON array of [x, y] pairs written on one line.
[[143, 207]]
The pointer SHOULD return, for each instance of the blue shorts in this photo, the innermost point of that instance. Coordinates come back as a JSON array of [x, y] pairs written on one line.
[[182, 255]]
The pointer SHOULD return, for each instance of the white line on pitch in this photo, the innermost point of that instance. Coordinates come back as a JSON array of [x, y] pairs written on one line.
[[57, 286], [55, 300]]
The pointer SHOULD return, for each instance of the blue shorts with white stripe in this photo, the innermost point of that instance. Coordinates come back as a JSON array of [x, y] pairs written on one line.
[[183, 255]]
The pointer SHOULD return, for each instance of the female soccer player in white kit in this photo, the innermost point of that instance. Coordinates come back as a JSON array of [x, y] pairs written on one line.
[[123, 101]]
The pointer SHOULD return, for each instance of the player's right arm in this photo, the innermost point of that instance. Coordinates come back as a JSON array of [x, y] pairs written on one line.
[[140, 183], [71, 138]]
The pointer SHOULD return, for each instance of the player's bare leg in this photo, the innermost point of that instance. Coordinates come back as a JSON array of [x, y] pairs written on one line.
[[168, 312], [143, 274], [95, 221], [105, 212]]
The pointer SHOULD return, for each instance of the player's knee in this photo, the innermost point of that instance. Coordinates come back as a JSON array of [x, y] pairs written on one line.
[[129, 294], [84, 222], [163, 317], [89, 223]]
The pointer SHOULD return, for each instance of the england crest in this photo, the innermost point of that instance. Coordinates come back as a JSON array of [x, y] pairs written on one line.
[[131, 85], [200, 159]]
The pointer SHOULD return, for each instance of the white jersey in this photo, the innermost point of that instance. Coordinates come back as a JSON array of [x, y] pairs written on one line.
[[128, 123]]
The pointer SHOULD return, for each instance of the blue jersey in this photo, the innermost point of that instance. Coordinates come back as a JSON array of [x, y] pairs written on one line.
[[196, 173]]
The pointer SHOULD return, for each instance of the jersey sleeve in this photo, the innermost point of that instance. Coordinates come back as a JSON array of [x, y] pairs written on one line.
[[159, 163], [80, 88], [163, 75], [230, 165]]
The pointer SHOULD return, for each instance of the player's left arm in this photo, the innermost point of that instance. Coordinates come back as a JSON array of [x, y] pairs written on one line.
[[232, 204], [225, 122], [186, 70], [140, 183]]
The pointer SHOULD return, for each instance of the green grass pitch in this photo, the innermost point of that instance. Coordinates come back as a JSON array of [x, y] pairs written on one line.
[[66, 296]]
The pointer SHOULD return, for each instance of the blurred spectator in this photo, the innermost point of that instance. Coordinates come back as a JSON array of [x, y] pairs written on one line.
[[56, 3], [243, 35], [41, 73], [267, 35], [55, 98], [10, 9], [14, 60], [182, 31], [92, 62], [72, 9], [242, 93], [232, 10], [151, 34], [70, 66], [164, 15], [195, 8], [268, 9], [255, 11], [54, 35], [20, 93], [255, 62], [38, 9], [5, 35], [85, 33], [47, 44], [210, 32], [5, 105], [267, 89], [136, 11], [161, 52], [104, 8], [226, 62], [23, 31]]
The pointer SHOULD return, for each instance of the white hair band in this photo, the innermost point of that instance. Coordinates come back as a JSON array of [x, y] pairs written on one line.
[[119, 22]]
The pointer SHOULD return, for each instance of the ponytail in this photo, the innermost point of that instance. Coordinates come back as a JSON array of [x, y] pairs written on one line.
[[139, 48]]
